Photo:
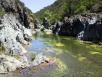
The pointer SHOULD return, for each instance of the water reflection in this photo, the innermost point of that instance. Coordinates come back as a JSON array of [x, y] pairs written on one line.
[[79, 59], [74, 58]]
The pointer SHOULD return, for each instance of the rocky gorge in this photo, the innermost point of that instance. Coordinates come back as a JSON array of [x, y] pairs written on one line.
[[16, 33]]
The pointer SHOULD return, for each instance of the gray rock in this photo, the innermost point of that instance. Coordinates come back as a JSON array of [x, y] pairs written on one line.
[[8, 63], [18, 8], [11, 35], [12, 38], [39, 59]]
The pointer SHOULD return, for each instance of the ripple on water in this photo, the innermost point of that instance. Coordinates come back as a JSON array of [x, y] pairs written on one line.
[[73, 59]]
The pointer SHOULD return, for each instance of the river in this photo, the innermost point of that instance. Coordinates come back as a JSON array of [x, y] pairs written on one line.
[[75, 58]]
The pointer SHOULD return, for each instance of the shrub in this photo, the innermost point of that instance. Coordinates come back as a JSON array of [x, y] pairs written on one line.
[[17, 57], [2, 13], [81, 9], [33, 56], [2, 49]]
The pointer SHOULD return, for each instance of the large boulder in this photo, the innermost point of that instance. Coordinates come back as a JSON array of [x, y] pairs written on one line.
[[77, 27], [93, 30], [70, 27], [56, 27], [66, 28]]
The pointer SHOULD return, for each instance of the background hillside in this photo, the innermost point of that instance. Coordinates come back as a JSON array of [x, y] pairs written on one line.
[[63, 8]]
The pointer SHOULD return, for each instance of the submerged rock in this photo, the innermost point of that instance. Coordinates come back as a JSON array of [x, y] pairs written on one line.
[[40, 58]]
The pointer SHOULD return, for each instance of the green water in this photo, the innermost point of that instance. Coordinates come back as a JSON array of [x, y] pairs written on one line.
[[78, 59], [75, 58]]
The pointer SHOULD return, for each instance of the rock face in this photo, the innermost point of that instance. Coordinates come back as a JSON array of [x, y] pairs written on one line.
[[93, 30], [18, 9], [13, 36], [87, 27], [56, 27], [37, 24], [46, 23], [70, 27], [15, 33]]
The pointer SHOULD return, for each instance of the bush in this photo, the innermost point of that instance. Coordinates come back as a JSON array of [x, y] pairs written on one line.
[[81, 9], [2, 49], [17, 57], [33, 56], [2, 12], [65, 8]]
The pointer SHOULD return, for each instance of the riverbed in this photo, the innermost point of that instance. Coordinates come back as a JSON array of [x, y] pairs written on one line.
[[74, 58]]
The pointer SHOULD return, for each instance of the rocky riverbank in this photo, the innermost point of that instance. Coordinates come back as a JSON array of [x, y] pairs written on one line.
[[85, 25], [16, 29], [14, 38]]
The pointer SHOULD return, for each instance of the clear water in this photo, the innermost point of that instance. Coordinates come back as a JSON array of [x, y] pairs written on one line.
[[80, 59], [76, 59]]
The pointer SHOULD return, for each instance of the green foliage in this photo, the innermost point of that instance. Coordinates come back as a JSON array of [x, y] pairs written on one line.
[[2, 49], [50, 15], [65, 8], [57, 10], [17, 57], [85, 5], [81, 9], [33, 56], [1, 12]]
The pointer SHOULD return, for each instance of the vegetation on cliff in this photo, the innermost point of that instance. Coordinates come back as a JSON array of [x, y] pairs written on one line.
[[63, 8]]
